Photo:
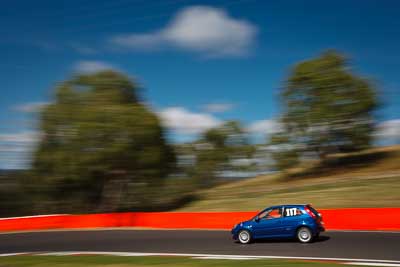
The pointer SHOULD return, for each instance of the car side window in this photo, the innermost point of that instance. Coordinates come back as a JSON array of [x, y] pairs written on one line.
[[271, 214], [289, 212]]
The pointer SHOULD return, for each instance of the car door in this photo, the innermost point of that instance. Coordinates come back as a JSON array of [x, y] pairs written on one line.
[[292, 218], [269, 224]]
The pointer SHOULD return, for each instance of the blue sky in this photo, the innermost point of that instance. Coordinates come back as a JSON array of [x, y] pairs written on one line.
[[199, 62]]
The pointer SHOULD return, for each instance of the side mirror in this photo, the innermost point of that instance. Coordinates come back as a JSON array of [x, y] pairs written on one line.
[[256, 219]]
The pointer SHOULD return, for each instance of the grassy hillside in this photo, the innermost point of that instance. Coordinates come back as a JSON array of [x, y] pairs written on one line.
[[367, 179]]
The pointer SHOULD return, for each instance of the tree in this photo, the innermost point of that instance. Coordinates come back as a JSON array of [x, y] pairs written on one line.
[[216, 150], [101, 148], [327, 108], [282, 152]]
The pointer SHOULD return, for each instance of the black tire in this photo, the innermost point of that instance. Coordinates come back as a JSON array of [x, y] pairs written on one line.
[[304, 235], [244, 236]]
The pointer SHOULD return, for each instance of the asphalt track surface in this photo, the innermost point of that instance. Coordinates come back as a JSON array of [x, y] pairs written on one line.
[[361, 245]]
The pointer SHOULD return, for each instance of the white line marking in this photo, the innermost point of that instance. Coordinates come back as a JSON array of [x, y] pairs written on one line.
[[373, 264], [225, 258], [33, 216], [12, 254], [71, 253], [214, 256]]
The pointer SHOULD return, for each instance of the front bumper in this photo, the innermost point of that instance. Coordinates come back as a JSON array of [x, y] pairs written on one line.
[[234, 233]]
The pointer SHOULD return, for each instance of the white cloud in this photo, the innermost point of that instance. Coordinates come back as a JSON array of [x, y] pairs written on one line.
[[15, 149], [31, 107], [264, 127], [185, 122], [90, 66], [83, 49], [202, 29], [389, 129], [21, 137], [218, 107]]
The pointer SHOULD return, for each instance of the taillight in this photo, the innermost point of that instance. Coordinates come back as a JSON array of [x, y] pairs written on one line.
[[309, 212]]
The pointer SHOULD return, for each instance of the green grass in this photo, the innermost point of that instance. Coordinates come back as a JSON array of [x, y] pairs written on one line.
[[362, 193], [370, 179], [115, 261]]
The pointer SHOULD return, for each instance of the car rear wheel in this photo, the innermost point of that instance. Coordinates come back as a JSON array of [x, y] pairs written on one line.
[[244, 237], [304, 235]]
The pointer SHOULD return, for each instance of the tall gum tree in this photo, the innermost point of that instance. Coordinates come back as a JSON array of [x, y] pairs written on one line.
[[327, 108], [101, 148]]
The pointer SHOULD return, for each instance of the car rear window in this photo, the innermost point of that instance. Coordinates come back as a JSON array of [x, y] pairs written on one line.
[[314, 211]]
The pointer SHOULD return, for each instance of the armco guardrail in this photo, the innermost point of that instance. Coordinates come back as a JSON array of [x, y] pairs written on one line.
[[384, 219]]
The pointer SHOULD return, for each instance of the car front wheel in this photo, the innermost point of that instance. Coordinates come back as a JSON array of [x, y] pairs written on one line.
[[244, 237], [304, 235]]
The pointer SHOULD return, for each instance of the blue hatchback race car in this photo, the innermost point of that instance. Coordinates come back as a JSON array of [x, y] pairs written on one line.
[[284, 221]]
